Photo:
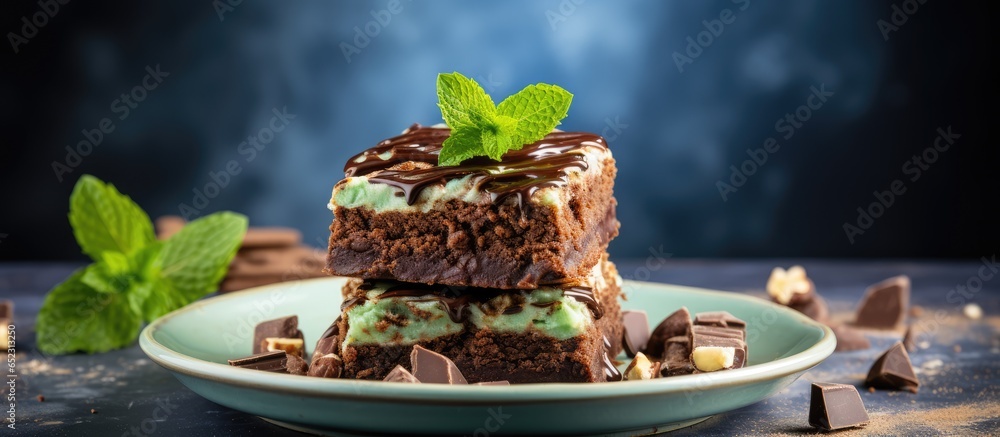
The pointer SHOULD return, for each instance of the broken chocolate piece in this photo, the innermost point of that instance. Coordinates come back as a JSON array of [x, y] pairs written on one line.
[[713, 354], [885, 304], [910, 340], [430, 367], [295, 364], [636, 332], [6, 316], [716, 331], [795, 290], [893, 371], [850, 339], [642, 368], [677, 359], [326, 366], [719, 318], [400, 374], [493, 383], [268, 362], [327, 340], [285, 327], [324, 346], [836, 406], [711, 351], [676, 324], [6, 309], [293, 346], [815, 309], [790, 287]]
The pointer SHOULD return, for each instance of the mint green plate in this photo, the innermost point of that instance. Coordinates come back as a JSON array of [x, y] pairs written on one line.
[[195, 342]]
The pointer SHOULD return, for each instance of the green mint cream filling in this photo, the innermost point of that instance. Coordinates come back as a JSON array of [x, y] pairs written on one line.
[[408, 320]]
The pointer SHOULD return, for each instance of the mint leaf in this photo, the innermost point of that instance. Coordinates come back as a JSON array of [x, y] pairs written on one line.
[[75, 317], [105, 220], [462, 101], [134, 276], [112, 273], [154, 299], [462, 144], [196, 258], [537, 110], [478, 128]]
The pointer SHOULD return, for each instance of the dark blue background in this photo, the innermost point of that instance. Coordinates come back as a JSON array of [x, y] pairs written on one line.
[[678, 131]]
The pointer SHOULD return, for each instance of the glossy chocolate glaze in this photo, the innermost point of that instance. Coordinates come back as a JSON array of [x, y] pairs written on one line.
[[611, 371], [519, 174], [457, 299]]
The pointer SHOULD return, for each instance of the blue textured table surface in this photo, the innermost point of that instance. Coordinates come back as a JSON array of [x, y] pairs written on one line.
[[957, 363]]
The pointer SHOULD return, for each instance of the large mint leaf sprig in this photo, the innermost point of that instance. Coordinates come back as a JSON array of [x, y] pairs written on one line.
[[480, 128], [134, 277]]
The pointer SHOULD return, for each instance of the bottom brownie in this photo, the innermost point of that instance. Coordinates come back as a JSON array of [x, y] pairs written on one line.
[[544, 335]]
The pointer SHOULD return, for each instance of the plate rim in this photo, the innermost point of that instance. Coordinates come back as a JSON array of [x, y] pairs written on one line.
[[440, 394]]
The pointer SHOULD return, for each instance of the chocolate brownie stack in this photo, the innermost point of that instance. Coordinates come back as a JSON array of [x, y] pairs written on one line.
[[500, 266]]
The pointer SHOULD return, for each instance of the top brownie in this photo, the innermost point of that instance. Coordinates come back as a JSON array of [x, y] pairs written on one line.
[[542, 215]]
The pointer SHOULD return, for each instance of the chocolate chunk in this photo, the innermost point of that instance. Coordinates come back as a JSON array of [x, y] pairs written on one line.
[[910, 340], [327, 342], [790, 287], [710, 353], [815, 309], [719, 318], [677, 357], [6, 316], [294, 346], [642, 368], [836, 406], [295, 364], [850, 339], [6, 309], [326, 366], [718, 341], [333, 331], [885, 304], [285, 327], [493, 383], [636, 332], [676, 324], [268, 362], [433, 368], [716, 331], [795, 290], [325, 346], [400, 374], [893, 371]]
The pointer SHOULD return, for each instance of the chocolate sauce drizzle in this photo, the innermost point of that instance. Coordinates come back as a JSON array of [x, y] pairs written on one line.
[[611, 371], [456, 300], [519, 174]]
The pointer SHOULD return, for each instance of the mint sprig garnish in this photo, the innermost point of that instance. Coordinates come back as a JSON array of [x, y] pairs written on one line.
[[134, 277], [480, 128]]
